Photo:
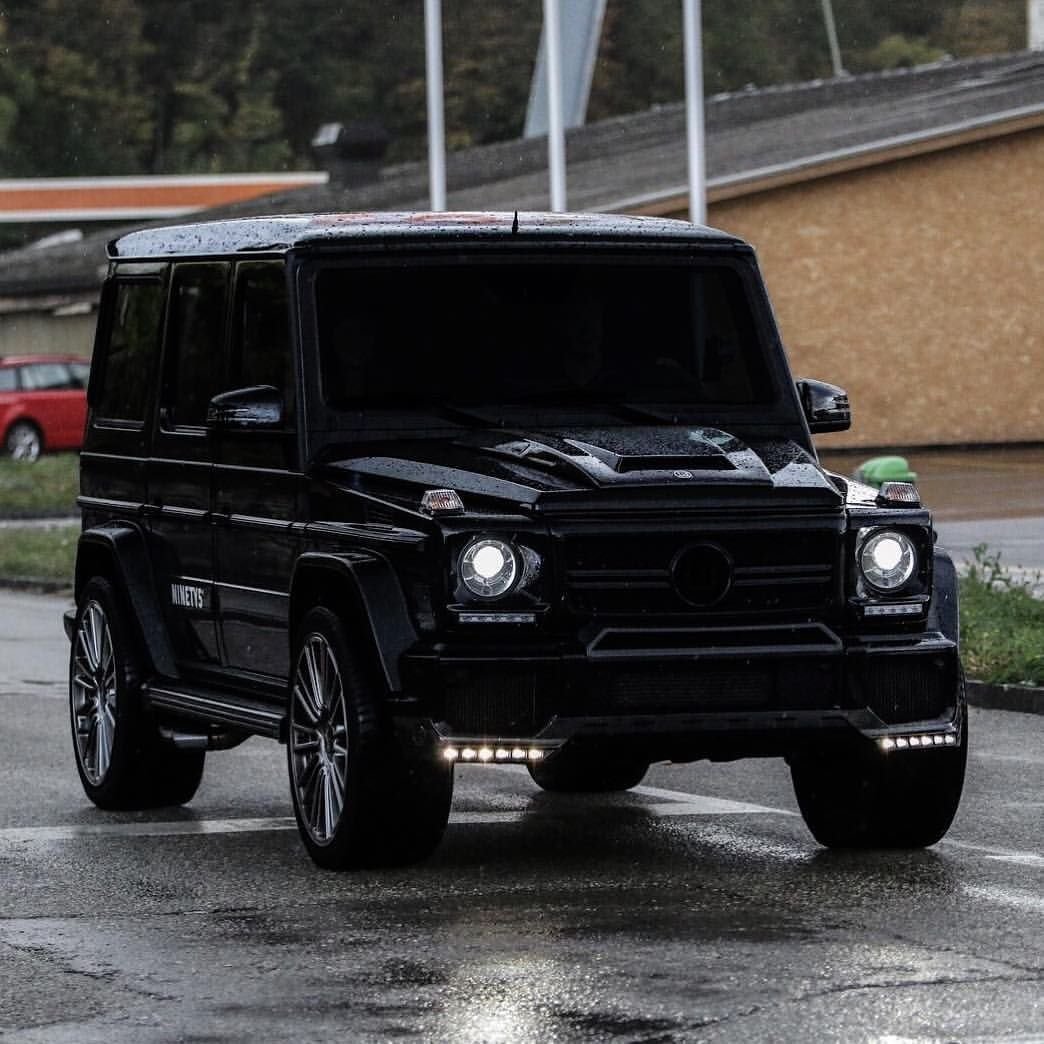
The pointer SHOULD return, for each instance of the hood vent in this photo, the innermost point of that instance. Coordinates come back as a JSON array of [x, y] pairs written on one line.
[[624, 463]]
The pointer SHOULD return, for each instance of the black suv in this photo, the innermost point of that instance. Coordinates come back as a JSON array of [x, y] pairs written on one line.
[[402, 491]]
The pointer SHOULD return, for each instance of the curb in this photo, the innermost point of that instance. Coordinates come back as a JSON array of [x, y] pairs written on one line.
[[33, 586], [1028, 699]]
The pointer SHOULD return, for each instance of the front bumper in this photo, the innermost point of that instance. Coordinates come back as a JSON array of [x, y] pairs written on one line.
[[680, 693]]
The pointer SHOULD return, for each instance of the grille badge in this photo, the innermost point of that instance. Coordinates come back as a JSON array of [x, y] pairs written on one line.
[[702, 574]]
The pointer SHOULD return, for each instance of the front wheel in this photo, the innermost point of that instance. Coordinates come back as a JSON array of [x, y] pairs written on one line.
[[873, 799], [24, 441], [588, 772], [359, 799], [121, 760]]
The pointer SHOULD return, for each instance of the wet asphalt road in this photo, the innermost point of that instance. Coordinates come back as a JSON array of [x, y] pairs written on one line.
[[697, 908]]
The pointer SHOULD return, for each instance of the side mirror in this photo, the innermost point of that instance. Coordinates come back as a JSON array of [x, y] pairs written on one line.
[[244, 409], [825, 405]]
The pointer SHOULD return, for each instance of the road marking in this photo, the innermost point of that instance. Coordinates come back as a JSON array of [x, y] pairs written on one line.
[[1006, 896], [708, 805], [1002, 855]]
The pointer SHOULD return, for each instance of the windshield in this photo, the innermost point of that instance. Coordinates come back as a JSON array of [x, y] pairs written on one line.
[[538, 334]]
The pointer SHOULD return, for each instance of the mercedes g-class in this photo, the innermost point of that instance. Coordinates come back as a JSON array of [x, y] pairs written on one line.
[[408, 491]]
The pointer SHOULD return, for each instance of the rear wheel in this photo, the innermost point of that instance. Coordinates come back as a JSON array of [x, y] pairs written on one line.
[[588, 772], [121, 760], [23, 441], [359, 799], [871, 799]]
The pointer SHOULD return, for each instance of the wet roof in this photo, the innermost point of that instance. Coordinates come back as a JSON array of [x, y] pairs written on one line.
[[623, 163], [284, 232]]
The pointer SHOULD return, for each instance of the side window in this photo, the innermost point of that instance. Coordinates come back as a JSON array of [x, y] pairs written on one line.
[[8, 378], [195, 342], [46, 377], [80, 372], [261, 331], [130, 355]]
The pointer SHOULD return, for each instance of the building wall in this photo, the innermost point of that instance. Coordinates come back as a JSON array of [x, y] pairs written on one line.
[[918, 285], [29, 333]]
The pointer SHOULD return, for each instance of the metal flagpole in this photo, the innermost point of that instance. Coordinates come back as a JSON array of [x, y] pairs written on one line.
[[831, 30], [555, 131], [693, 31], [436, 122]]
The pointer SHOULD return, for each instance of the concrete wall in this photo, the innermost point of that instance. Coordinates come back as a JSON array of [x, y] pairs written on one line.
[[25, 333], [917, 285]]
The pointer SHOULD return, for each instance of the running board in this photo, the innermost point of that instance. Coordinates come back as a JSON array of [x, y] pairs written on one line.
[[214, 707]]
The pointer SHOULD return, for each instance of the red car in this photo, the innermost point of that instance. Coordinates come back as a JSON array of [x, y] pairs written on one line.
[[43, 403]]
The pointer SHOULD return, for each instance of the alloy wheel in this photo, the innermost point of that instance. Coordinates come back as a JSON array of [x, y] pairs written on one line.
[[23, 443], [319, 739], [93, 693]]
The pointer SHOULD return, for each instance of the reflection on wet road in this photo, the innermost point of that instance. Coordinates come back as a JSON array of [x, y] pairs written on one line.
[[696, 907]]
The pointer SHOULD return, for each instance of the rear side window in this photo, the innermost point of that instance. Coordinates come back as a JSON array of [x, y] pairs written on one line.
[[8, 379], [130, 355], [261, 333], [195, 342], [46, 377]]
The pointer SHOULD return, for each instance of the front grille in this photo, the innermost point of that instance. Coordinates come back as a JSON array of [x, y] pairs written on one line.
[[491, 703], [900, 689], [690, 689], [772, 571]]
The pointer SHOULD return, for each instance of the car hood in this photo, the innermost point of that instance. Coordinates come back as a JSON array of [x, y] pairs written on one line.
[[564, 467]]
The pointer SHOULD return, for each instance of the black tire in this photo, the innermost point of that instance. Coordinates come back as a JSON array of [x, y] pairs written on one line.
[[121, 759], [23, 441], [871, 799], [587, 772], [360, 800]]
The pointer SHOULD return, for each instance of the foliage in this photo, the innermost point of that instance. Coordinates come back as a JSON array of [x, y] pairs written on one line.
[[1002, 623], [45, 488], [38, 554], [158, 86]]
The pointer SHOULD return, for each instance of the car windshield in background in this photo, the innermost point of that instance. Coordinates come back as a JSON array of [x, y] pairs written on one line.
[[538, 334]]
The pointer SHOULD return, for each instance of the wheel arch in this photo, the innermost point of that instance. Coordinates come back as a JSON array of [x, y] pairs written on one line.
[[118, 552], [364, 590]]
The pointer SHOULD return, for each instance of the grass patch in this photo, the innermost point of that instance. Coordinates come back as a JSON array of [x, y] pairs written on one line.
[[47, 487], [38, 553], [1002, 624]]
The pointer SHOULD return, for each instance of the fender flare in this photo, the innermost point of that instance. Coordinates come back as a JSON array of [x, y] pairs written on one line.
[[122, 545], [375, 594], [944, 613]]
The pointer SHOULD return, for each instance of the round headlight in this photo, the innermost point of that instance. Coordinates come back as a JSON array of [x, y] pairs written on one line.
[[888, 559], [489, 567]]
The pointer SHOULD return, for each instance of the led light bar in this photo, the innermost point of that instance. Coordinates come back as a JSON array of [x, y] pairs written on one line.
[[496, 618], [896, 609], [442, 502], [918, 741], [485, 754]]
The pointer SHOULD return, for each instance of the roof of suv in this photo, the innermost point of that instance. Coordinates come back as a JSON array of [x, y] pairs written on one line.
[[282, 233]]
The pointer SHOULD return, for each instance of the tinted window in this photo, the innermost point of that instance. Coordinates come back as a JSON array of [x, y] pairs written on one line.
[[8, 378], [261, 341], [46, 377], [556, 333], [131, 353], [195, 341]]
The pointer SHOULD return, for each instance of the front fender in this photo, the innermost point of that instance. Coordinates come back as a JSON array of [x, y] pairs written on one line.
[[944, 612], [371, 588]]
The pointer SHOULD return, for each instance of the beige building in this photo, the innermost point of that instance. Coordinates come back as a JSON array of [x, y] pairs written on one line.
[[914, 278]]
